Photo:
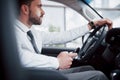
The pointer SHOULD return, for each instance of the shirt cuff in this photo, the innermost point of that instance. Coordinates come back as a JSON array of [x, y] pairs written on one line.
[[54, 62]]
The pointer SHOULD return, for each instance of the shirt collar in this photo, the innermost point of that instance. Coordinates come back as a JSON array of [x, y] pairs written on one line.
[[23, 27]]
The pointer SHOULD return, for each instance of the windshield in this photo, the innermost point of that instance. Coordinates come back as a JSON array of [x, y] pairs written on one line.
[[108, 9]]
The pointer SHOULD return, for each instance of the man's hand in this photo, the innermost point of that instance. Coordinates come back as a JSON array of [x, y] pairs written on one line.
[[102, 22], [65, 59]]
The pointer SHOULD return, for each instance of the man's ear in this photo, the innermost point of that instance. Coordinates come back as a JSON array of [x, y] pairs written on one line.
[[25, 9]]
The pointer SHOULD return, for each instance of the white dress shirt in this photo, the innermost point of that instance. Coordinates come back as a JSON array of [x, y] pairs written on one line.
[[29, 58]]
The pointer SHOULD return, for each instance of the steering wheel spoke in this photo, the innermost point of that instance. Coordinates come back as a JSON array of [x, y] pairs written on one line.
[[92, 43]]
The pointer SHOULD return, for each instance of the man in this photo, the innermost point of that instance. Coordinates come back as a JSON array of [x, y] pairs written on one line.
[[30, 12]]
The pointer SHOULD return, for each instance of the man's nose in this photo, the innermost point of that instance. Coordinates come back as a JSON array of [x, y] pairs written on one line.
[[42, 12]]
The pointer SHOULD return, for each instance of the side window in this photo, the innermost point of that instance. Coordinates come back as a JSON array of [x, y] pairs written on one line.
[[58, 18], [73, 20]]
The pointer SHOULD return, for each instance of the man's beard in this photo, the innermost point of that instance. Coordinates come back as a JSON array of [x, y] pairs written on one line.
[[34, 20]]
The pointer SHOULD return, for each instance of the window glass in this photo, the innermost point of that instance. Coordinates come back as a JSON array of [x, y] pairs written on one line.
[[60, 18], [53, 19], [108, 9], [73, 20]]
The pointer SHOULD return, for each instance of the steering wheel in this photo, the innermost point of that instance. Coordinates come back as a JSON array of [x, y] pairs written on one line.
[[92, 43]]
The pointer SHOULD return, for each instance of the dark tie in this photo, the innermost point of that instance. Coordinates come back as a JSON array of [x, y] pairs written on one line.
[[29, 33]]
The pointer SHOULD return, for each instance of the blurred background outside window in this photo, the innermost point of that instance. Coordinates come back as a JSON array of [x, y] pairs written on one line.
[[61, 18]]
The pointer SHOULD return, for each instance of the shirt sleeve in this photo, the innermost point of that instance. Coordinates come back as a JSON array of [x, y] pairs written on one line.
[[27, 55], [31, 59], [63, 37]]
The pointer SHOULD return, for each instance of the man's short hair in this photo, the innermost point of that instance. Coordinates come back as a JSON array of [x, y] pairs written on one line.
[[21, 2]]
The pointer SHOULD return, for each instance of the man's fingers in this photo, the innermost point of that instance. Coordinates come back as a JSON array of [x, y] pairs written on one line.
[[110, 23], [72, 54], [103, 22]]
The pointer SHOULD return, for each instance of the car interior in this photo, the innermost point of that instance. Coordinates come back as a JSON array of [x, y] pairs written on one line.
[[101, 49]]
